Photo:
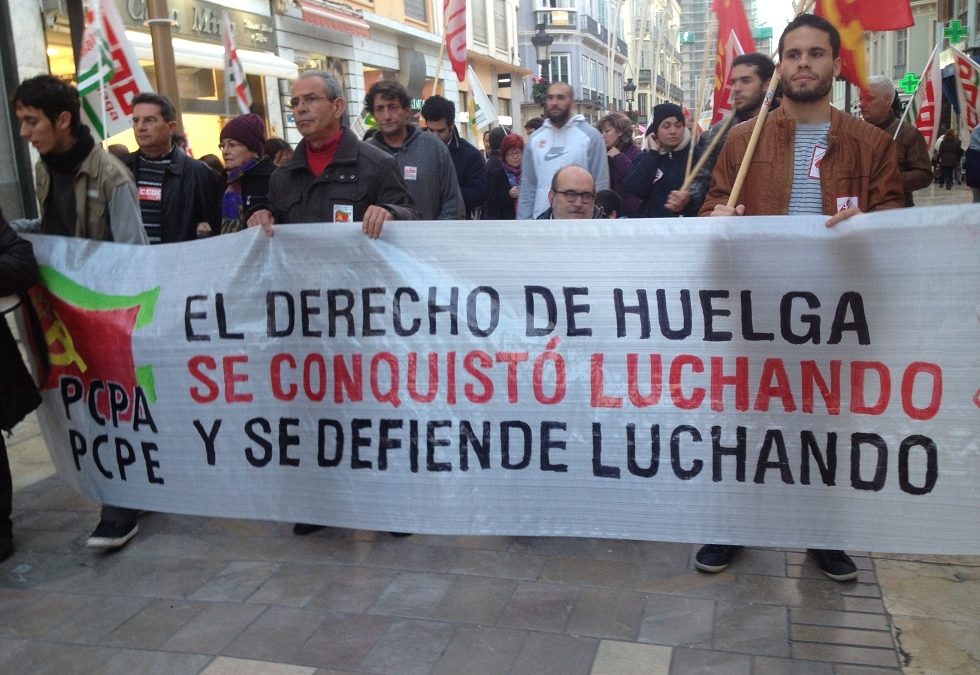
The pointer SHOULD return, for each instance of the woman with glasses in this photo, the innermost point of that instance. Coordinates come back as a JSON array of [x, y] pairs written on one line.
[[617, 132], [247, 190], [504, 180]]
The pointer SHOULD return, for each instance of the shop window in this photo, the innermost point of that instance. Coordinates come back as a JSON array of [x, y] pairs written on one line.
[[415, 9]]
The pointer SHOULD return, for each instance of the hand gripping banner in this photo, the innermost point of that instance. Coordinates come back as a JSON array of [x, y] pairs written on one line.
[[761, 381]]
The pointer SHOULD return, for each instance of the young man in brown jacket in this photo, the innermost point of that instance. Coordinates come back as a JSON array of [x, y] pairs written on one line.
[[811, 158]]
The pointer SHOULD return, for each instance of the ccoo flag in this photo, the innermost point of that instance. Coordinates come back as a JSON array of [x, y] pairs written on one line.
[[235, 83], [924, 106], [455, 37], [109, 74]]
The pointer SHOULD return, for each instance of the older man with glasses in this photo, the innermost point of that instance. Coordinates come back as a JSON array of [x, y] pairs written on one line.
[[572, 196], [333, 176]]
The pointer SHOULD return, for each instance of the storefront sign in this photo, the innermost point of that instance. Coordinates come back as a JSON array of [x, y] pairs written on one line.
[[201, 21]]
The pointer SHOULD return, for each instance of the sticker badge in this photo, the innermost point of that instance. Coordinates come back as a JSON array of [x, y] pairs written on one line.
[[846, 203], [150, 193], [411, 172], [818, 152], [343, 213]]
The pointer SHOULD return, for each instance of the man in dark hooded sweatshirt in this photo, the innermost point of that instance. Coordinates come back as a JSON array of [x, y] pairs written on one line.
[[660, 169]]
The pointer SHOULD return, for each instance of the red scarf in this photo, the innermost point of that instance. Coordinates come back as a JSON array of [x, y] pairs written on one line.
[[318, 160]]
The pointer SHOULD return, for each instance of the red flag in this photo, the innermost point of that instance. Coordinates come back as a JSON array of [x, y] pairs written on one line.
[[734, 38], [852, 18], [455, 11]]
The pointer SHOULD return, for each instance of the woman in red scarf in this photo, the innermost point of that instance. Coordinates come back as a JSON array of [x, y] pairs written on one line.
[[504, 180]]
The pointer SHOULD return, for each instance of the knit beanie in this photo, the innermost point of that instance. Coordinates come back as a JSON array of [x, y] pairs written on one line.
[[511, 142], [249, 130], [664, 111]]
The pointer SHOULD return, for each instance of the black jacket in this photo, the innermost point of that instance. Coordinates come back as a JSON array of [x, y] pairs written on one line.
[[191, 195], [18, 272], [655, 175], [360, 175], [470, 172], [499, 206]]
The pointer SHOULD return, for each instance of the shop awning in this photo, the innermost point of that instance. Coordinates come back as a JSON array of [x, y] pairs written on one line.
[[321, 15], [206, 55]]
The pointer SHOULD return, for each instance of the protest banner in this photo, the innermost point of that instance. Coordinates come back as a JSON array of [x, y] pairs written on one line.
[[763, 381]]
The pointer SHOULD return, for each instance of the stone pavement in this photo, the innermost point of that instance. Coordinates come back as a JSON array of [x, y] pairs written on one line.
[[215, 596]]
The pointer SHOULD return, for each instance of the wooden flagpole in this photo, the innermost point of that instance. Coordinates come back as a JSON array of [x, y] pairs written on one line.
[[696, 113], [691, 175], [442, 50]]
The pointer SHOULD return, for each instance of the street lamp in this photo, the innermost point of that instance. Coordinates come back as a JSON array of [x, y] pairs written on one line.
[[542, 48], [629, 89]]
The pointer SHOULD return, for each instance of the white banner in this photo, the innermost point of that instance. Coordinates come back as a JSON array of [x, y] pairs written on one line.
[[485, 114], [761, 381]]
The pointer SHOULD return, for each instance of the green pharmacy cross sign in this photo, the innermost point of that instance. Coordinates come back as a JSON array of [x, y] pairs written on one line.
[[955, 31], [909, 83]]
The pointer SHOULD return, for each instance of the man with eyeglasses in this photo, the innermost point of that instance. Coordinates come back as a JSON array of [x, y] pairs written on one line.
[[471, 170], [332, 176], [424, 161], [572, 196], [178, 194]]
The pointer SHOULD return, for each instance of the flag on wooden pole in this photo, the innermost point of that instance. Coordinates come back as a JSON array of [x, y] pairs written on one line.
[[235, 82], [456, 35], [924, 104], [109, 74], [734, 38], [484, 114]]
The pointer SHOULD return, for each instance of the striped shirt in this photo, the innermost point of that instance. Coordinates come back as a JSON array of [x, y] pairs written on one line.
[[149, 184], [808, 149]]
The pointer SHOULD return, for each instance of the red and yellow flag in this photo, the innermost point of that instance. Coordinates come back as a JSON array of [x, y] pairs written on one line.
[[734, 38]]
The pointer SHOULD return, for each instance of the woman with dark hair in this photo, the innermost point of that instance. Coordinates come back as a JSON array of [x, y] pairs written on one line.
[[18, 395], [617, 131], [242, 145], [277, 151], [504, 180], [494, 138]]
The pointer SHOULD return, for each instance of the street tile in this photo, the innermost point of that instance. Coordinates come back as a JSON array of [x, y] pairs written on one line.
[[870, 605], [551, 654], [409, 647], [615, 658], [486, 650], [214, 628], [674, 620], [821, 594], [154, 624], [558, 547], [843, 636], [607, 613], [156, 577], [402, 555], [474, 600], [705, 662], [539, 606], [821, 617], [49, 658], [276, 635], [756, 629], [128, 661], [841, 669], [413, 594], [292, 584], [224, 665], [235, 582], [318, 549], [98, 617], [164, 545], [605, 573], [658, 553], [506, 564], [769, 665], [351, 589], [31, 614], [936, 645], [865, 656], [342, 640]]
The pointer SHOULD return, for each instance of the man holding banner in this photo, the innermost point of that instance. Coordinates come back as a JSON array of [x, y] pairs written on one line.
[[840, 166]]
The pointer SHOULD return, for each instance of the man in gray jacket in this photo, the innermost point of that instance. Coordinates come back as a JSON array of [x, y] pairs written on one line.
[[333, 176], [424, 160], [564, 139]]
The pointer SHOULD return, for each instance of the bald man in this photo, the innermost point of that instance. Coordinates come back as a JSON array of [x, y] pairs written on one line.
[[572, 195]]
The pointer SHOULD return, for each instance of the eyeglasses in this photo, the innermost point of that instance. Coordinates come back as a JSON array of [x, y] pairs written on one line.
[[572, 195], [514, 153], [307, 100], [229, 144]]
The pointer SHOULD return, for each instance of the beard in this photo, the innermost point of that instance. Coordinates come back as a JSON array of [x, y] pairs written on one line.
[[817, 92], [559, 117]]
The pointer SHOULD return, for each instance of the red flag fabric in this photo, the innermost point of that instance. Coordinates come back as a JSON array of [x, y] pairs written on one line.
[[455, 11], [734, 38], [884, 14]]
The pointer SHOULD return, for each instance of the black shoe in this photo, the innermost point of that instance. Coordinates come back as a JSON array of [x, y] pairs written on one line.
[[715, 557], [303, 529], [835, 564], [111, 535], [6, 548], [400, 534]]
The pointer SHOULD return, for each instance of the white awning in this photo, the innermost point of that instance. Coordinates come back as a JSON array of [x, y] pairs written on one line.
[[207, 55]]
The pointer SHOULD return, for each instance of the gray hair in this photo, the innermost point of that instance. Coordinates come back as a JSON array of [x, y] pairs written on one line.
[[881, 85], [331, 87]]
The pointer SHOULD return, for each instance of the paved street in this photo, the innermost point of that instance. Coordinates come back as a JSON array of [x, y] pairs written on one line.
[[208, 595]]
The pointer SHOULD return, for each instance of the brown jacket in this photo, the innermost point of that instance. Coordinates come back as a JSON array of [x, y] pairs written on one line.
[[913, 156], [860, 162]]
